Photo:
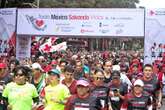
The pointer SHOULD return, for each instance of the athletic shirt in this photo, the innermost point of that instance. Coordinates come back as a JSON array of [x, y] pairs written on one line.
[[76, 103], [115, 100], [72, 87], [151, 86], [102, 93], [132, 102], [133, 77]]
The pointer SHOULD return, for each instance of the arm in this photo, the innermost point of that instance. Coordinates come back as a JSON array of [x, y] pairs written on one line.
[[124, 104], [159, 99], [68, 104]]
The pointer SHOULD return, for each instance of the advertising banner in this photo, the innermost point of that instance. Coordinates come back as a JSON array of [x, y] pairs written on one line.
[[23, 47], [81, 22], [7, 29], [154, 36]]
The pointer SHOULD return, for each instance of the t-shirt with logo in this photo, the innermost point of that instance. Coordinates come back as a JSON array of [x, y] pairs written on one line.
[[102, 93], [88, 103], [59, 93], [152, 86], [20, 97], [116, 101], [132, 102]]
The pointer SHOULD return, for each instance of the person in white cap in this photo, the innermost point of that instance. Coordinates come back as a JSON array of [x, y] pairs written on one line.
[[38, 77], [137, 99]]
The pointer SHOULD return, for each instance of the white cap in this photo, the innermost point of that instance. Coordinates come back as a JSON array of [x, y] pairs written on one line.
[[115, 68], [139, 83], [74, 57], [36, 66], [41, 57]]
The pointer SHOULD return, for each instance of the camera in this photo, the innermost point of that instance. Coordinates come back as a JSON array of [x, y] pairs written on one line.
[[116, 90]]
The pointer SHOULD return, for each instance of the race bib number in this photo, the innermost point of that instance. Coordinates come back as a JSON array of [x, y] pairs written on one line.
[[81, 108], [115, 98]]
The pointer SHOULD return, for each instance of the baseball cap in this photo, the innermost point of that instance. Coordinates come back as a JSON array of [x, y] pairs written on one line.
[[41, 57], [54, 63], [115, 68], [83, 82], [54, 72], [115, 74], [139, 83], [3, 65], [36, 66]]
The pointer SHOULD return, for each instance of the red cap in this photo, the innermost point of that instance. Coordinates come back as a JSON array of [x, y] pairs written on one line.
[[3, 65], [54, 63], [47, 68]]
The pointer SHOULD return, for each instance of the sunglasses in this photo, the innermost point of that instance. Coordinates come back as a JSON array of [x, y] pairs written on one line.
[[100, 78], [19, 75]]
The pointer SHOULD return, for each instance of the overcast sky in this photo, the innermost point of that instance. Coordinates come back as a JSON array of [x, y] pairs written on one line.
[[152, 3]]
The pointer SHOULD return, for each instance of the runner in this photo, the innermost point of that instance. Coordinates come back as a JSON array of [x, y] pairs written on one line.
[[20, 94], [83, 100], [137, 99]]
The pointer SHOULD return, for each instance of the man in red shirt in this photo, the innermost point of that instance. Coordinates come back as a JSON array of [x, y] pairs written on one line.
[[69, 80]]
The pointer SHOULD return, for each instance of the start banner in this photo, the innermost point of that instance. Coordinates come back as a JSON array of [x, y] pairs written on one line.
[[81, 22]]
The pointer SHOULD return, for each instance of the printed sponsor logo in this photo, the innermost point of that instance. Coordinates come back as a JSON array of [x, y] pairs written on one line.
[[38, 24], [103, 25], [157, 12], [119, 25], [64, 29], [104, 30], [95, 17], [119, 31], [6, 12], [86, 31]]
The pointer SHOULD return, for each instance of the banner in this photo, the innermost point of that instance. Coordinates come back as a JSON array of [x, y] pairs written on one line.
[[7, 29], [154, 36], [23, 47], [81, 22]]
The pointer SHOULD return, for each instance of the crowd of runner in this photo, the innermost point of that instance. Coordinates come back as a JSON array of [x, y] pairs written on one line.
[[81, 80]]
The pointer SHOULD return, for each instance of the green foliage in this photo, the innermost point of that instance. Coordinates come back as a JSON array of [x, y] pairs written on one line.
[[77, 3], [89, 3]]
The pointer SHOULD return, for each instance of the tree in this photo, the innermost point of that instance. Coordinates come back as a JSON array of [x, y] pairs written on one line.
[[3, 2], [19, 3], [89, 3]]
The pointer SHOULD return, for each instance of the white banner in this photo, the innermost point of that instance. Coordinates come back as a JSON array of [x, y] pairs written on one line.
[[155, 35], [7, 29], [23, 47], [81, 22]]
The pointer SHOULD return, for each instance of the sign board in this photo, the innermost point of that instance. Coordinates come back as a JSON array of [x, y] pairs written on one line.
[[7, 29], [81, 22], [154, 35]]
